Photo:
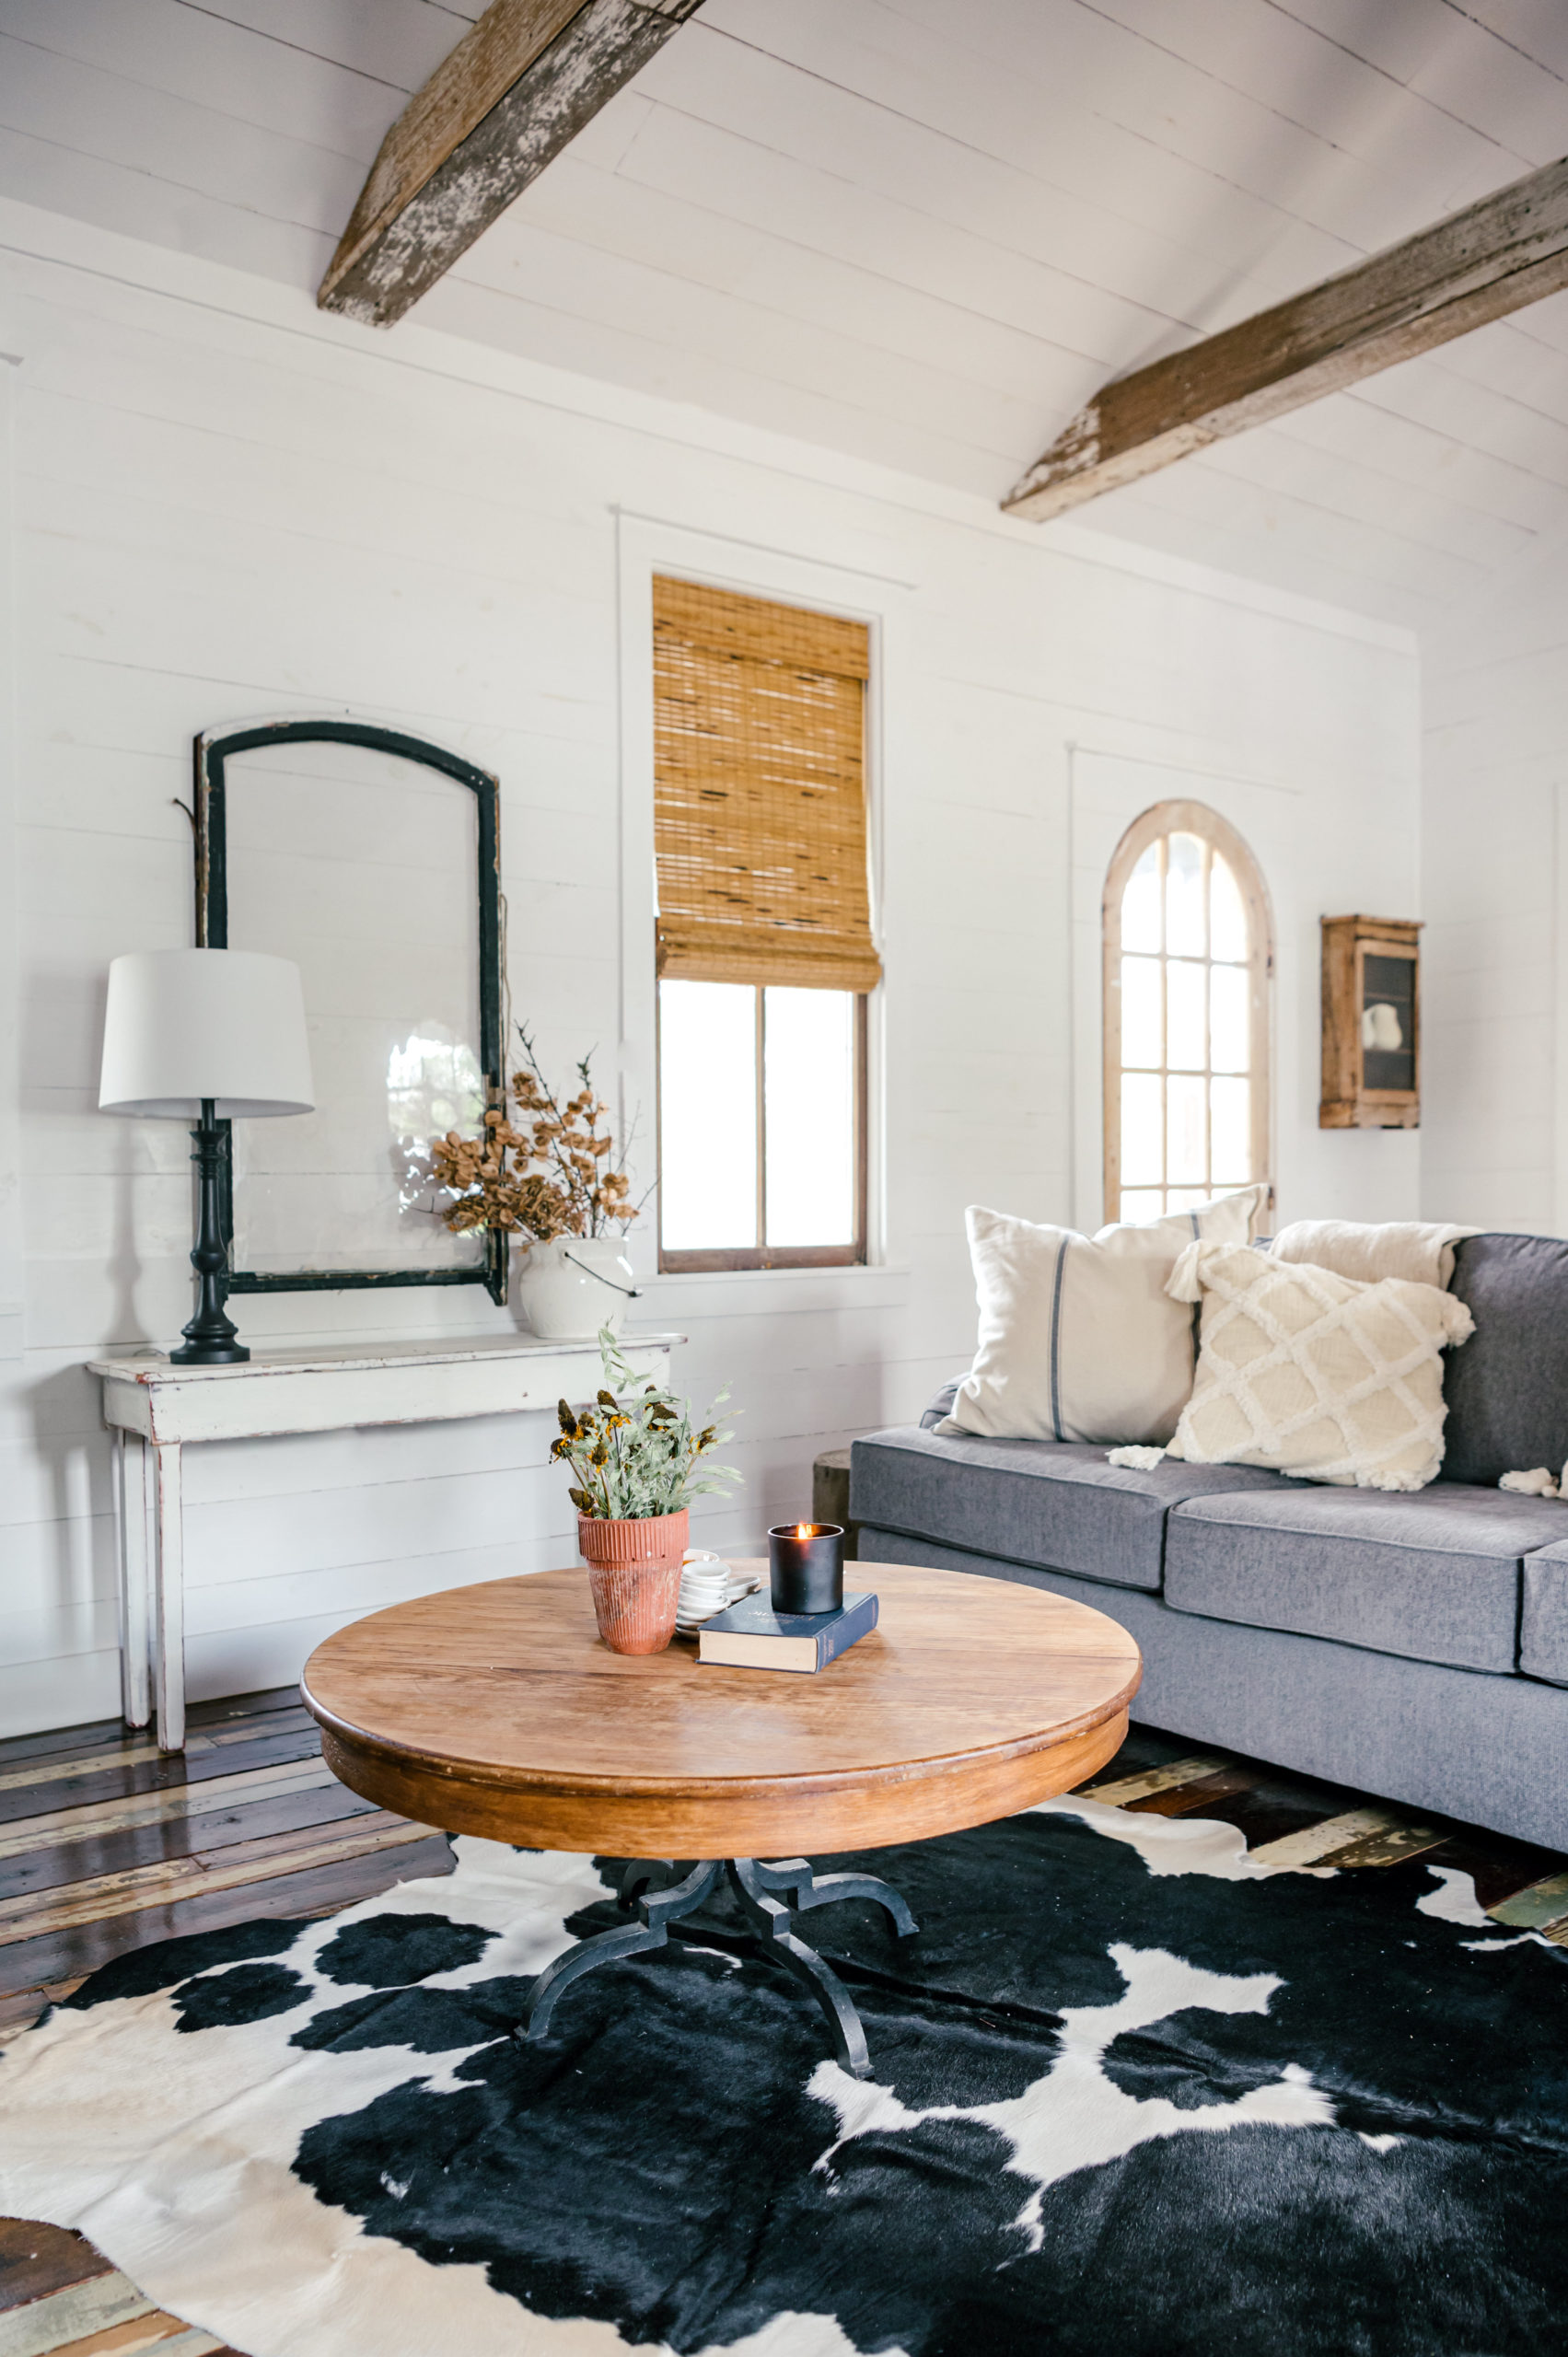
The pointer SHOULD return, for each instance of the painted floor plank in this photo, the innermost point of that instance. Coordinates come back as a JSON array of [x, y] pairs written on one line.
[[100, 1733], [158, 2331], [36, 2260], [162, 1772], [88, 1759], [1315, 1843], [83, 1902], [1192, 1798], [1536, 1907], [54, 2322], [49, 1957], [1120, 1792], [1387, 1849], [151, 1808], [1280, 1805], [62, 1864]]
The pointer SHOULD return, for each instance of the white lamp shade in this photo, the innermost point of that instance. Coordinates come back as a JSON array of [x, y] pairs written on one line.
[[188, 1023]]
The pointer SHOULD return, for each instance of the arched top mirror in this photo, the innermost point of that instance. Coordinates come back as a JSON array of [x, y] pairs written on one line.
[[372, 859]]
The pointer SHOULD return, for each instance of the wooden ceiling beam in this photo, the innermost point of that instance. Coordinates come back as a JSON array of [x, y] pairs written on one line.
[[1479, 264], [522, 82]]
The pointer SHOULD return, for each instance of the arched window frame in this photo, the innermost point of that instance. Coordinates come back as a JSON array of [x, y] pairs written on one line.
[[1163, 819]]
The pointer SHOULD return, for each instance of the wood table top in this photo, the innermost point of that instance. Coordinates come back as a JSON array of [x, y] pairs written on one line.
[[497, 1710]]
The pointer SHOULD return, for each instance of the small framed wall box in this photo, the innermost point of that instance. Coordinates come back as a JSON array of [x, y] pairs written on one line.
[[1371, 1024]]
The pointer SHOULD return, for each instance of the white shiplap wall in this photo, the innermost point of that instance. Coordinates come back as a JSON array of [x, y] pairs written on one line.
[[1495, 949], [228, 506]]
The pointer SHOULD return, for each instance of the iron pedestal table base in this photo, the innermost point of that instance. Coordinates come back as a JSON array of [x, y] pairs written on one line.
[[662, 1892]]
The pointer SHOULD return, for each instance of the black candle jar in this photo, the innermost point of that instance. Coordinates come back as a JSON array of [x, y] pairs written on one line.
[[806, 1562]]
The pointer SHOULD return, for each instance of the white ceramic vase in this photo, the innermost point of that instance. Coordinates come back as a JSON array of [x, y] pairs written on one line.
[[573, 1286]]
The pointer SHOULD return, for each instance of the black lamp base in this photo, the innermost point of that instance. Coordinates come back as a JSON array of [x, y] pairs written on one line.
[[212, 1338], [202, 1350]]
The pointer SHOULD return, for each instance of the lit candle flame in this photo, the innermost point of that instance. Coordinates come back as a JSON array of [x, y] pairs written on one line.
[[804, 1530]]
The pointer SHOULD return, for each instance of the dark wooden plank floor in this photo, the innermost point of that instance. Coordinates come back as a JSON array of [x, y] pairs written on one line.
[[106, 1845]]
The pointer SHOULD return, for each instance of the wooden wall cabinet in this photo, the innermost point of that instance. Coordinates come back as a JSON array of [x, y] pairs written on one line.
[[1371, 1024]]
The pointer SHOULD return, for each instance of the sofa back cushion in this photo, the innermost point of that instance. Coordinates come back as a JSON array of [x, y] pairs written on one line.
[[1508, 1389], [1078, 1340]]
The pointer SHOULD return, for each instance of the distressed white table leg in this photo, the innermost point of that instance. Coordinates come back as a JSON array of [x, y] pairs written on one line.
[[135, 1617], [170, 1598]]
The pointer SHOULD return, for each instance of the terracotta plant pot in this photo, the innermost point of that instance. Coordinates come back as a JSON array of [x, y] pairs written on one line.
[[634, 1575]]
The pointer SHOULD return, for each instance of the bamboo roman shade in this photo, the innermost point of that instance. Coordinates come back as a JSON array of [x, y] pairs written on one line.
[[759, 792]]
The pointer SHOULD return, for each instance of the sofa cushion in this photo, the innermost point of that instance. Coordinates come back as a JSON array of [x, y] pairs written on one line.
[[1543, 1624], [1508, 1389], [1051, 1505], [1433, 1574]]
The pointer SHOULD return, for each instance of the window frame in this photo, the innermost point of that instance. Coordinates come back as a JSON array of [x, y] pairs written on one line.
[[1173, 817], [854, 1254]]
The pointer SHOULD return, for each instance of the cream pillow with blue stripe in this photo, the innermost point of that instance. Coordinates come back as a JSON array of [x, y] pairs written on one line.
[[1078, 1338]]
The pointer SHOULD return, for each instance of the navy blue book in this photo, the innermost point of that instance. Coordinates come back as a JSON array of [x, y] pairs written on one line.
[[751, 1635]]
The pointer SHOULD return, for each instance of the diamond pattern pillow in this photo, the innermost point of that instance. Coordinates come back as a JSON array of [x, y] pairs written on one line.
[[1312, 1374]]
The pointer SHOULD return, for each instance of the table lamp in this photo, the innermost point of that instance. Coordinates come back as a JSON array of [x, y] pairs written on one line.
[[205, 1036]]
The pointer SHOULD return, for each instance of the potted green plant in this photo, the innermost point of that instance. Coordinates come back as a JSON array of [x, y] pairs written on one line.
[[638, 1461]]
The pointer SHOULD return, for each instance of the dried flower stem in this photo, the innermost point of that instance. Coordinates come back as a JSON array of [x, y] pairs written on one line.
[[553, 1172]]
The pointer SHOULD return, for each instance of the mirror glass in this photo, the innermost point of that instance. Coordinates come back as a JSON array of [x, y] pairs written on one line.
[[360, 865]]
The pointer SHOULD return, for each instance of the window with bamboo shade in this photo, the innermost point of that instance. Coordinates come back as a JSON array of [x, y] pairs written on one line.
[[763, 934]]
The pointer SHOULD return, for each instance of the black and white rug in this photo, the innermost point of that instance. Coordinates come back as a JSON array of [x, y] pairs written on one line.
[[1129, 2094]]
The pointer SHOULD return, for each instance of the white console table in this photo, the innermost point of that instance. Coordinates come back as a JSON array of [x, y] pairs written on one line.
[[155, 1409]]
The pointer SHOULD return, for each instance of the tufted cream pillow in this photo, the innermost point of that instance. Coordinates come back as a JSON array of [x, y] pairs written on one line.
[[1313, 1374]]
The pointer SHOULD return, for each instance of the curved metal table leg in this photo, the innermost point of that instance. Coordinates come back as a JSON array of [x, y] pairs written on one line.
[[658, 1910], [795, 1875], [663, 1890], [642, 1875], [771, 1919]]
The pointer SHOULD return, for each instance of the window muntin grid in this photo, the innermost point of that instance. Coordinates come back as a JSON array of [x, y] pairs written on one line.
[[1187, 1044]]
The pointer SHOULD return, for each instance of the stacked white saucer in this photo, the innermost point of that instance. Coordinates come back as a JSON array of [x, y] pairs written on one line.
[[707, 1585]]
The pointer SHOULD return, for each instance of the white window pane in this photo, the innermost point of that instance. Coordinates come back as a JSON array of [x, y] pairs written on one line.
[[1228, 914], [1187, 1041], [1142, 1031], [1185, 1108], [707, 1116], [1230, 1027], [808, 1074], [1230, 1111], [1141, 1159], [1141, 1203], [1186, 931], [1186, 1199], [1141, 905]]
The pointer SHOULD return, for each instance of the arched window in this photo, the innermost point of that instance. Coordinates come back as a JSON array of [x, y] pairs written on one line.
[[1188, 956]]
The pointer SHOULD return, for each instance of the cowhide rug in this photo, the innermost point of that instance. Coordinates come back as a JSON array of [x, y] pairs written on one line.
[[1131, 2094]]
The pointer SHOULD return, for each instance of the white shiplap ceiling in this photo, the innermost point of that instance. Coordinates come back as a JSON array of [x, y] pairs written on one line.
[[922, 231]]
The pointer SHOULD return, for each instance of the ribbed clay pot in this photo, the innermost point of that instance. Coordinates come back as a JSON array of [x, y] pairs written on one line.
[[634, 1576]]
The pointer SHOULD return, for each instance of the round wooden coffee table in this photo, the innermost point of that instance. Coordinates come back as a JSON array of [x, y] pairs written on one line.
[[496, 1709]]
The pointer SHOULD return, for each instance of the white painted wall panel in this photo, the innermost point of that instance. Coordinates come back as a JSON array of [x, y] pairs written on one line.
[[231, 508], [1496, 945]]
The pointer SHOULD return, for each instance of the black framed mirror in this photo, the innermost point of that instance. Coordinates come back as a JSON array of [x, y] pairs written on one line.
[[345, 846]]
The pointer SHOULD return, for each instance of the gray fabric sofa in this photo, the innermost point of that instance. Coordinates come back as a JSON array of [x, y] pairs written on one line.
[[1410, 1645]]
